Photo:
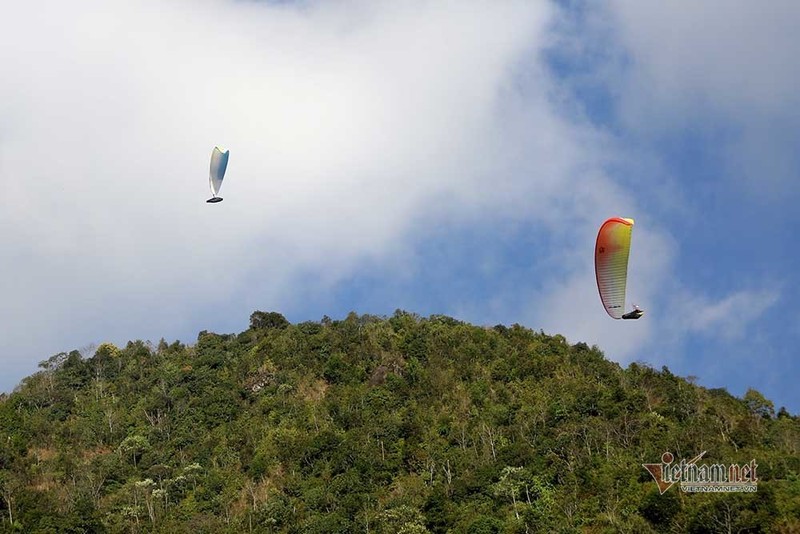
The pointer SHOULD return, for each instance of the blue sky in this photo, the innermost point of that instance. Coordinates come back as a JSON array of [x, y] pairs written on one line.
[[452, 158]]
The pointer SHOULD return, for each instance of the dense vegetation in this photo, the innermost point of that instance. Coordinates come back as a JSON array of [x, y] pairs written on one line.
[[384, 425]]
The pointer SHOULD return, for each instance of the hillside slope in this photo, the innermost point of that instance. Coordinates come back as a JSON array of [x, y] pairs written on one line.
[[372, 424]]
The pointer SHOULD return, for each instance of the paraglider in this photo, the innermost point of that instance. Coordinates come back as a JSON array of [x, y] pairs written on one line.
[[635, 314], [219, 162], [611, 266]]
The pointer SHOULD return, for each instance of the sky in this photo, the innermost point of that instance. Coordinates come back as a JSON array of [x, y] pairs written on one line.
[[452, 157]]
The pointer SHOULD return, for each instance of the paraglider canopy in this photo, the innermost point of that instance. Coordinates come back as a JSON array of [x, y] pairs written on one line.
[[611, 266], [219, 162]]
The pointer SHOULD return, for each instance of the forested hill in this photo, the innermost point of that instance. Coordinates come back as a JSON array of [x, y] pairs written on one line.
[[380, 425]]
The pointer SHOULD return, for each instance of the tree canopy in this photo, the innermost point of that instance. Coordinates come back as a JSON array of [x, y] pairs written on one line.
[[397, 424]]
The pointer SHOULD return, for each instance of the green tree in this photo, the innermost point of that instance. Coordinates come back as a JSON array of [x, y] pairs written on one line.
[[266, 320]]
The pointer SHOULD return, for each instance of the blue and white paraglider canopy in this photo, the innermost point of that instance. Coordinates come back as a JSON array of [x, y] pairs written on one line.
[[219, 162]]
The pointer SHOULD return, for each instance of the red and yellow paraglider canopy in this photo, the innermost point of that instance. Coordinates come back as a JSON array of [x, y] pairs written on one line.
[[611, 264]]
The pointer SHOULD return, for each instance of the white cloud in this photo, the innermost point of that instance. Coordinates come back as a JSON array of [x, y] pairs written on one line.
[[348, 123], [728, 317], [726, 67], [728, 57]]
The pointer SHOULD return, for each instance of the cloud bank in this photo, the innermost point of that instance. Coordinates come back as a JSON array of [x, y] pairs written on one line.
[[347, 122]]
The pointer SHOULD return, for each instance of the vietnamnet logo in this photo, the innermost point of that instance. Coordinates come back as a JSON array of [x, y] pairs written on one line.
[[703, 478]]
